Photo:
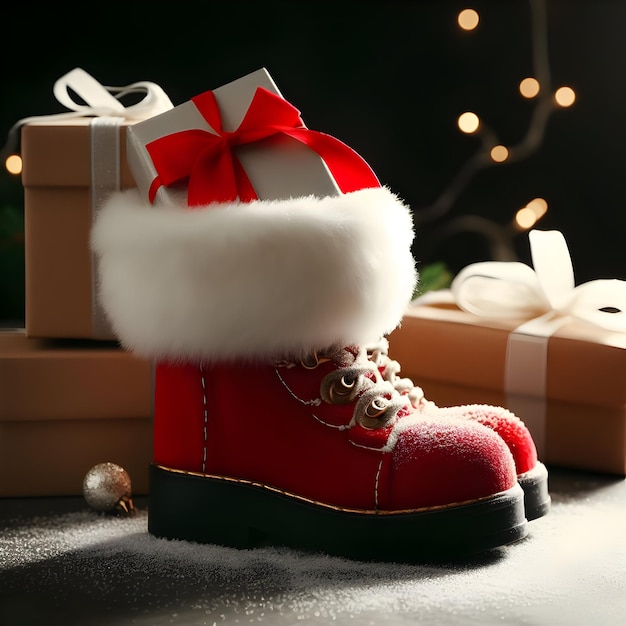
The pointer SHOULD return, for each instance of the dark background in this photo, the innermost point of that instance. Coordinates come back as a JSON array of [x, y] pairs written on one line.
[[388, 78]]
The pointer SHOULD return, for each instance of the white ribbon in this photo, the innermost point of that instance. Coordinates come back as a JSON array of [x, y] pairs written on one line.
[[547, 297], [99, 102], [105, 179], [104, 106], [514, 290]]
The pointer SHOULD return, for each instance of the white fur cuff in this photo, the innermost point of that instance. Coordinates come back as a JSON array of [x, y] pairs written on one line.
[[254, 280]]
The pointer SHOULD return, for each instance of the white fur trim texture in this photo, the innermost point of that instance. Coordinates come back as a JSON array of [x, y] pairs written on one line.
[[254, 280]]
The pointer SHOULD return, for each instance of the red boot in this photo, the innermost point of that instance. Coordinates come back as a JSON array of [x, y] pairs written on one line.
[[532, 475], [257, 443], [323, 456]]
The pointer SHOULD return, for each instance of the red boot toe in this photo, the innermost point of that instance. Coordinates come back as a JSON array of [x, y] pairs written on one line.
[[532, 475], [447, 462]]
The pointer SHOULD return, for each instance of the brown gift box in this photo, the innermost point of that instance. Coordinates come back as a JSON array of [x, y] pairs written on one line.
[[460, 358], [66, 406], [57, 182]]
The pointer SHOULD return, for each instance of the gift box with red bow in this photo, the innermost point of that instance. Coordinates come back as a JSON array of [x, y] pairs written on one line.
[[71, 162], [66, 406], [240, 141], [528, 339]]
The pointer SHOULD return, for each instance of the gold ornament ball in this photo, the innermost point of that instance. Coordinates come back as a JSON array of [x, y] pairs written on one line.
[[107, 488]]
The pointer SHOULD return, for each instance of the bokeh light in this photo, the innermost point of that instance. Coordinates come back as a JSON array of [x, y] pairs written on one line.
[[529, 215], [13, 164], [529, 87], [499, 154], [468, 19], [468, 122], [565, 96]]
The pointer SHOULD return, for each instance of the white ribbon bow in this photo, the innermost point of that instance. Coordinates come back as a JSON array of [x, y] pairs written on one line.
[[99, 100], [545, 297], [514, 290]]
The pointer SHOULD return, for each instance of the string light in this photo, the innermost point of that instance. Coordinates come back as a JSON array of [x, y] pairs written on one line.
[[499, 154], [468, 19], [529, 87], [468, 122], [13, 164], [564, 96], [537, 87], [528, 216]]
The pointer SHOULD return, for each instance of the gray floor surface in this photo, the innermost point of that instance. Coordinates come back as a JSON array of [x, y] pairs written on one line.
[[63, 563]]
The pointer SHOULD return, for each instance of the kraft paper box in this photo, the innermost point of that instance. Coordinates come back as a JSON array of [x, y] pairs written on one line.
[[66, 406], [58, 213], [277, 167], [457, 357], [70, 165]]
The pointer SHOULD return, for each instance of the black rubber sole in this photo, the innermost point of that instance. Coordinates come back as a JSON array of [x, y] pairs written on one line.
[[537, 500], [247, 515]]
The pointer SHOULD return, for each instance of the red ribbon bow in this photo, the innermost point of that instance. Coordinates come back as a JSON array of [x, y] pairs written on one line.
[[205, 160]]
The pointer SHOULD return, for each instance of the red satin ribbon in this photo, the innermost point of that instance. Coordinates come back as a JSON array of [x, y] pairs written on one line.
[[205, 161]]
